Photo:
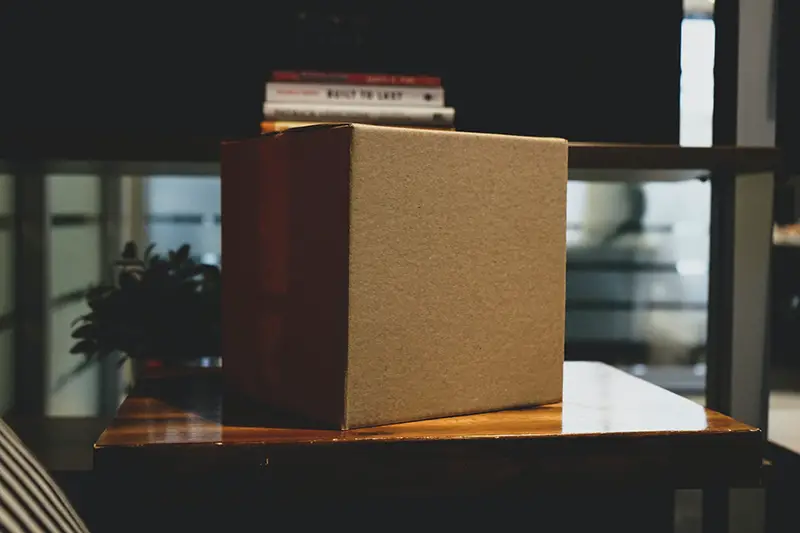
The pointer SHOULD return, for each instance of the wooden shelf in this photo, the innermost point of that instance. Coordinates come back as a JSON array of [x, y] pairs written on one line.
[[610, 428], [656, 157], [582, 156]]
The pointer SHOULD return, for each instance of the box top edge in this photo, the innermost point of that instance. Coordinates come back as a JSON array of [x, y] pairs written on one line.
[[434, 131], [299, 130], [294, 131]]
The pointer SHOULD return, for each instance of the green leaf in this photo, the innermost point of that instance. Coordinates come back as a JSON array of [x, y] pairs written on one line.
[[127, 280], [97, 295], [160, 305], [84, 346], [148, 251], [78, 369], [83, 318], [211, 272], [131, 251], [130, 263], [99, 291], [182, 255], [83, 332]]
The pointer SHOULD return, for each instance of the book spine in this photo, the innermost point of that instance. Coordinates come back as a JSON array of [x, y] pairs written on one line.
[[282, 125], [271, 127], [388, 95], [442, 116], [355, 78]]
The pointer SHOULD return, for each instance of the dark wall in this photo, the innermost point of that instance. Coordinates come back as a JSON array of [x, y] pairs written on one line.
[[787, 105], [586, 70]]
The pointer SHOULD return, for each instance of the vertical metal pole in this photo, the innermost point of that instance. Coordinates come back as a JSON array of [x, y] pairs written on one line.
[[720, 325], [739, 300], [720, 291], [741, 226], [31, 235], [749, 401]]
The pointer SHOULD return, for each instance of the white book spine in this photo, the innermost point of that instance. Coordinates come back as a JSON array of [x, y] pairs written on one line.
[[443, 116], [378, 95]]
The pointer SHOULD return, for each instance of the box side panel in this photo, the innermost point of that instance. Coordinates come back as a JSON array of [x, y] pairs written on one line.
[[457, 273], [285, 238], [247, 183], [313, 362]]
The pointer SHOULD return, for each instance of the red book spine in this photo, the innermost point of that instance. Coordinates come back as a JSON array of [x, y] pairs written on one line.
[[356, 79]]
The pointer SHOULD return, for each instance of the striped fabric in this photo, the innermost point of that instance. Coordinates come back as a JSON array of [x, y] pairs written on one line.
[[30, 501]]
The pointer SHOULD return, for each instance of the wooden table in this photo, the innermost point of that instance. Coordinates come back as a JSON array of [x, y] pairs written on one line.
[[615, 448]]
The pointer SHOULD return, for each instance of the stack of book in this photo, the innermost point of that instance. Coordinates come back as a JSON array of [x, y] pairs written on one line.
[[302, 98]]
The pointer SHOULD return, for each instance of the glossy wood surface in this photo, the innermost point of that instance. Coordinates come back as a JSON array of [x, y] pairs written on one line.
[[609, 426]]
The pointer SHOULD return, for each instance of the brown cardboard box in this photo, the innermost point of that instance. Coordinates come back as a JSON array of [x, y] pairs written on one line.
[[377, 275]]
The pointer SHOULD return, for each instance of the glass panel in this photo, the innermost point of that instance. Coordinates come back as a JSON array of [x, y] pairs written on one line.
[[73, 194], [74, 263], [78, 395], [74, 258], [185, 209], [637, 277]]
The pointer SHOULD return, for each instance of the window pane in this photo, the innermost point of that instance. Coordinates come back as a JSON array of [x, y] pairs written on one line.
[[78, 395], [697, 81], [637, 277], [185, 210], [74, 258], [74, 263], [74, 194]]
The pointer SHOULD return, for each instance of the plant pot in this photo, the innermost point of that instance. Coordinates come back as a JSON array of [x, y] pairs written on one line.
[[155, 368]]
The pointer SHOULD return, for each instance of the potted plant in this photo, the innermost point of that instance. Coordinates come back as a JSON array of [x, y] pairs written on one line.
[[164, 309]]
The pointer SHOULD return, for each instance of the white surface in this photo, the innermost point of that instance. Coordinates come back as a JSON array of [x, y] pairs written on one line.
[[697, 82], [784, 419]]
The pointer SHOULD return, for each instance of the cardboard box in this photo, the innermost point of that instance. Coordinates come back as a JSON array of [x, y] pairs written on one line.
[[375, 275]]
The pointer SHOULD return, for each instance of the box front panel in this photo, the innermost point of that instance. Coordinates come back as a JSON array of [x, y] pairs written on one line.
[[457, 273]]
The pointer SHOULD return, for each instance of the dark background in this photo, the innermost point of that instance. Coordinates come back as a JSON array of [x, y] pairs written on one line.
[[787, 68], [585, 70]]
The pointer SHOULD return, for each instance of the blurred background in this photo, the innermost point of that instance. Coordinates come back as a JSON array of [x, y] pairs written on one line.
[[110, 123], [637, 263]]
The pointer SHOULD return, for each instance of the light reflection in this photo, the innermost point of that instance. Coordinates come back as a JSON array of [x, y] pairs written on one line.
[[614, 402], [690, 267], [192, 430]]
